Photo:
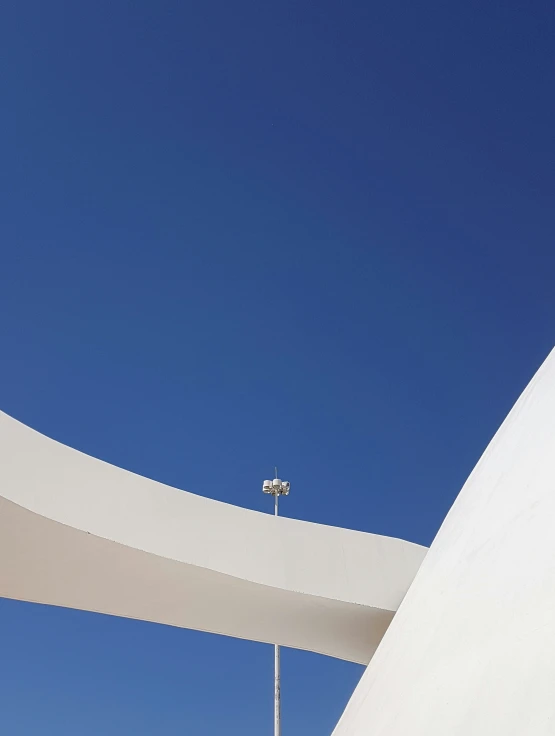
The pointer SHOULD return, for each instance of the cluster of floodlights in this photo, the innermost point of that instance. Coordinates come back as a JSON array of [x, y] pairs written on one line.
[[276, 487]]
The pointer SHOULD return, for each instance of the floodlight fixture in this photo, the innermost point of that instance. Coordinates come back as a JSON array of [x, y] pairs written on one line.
[[276, 487]]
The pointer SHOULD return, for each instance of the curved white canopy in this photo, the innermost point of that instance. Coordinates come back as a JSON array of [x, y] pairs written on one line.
[[80, 533]]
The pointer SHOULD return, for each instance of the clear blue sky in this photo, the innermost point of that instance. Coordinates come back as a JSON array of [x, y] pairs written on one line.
[[234, 234]]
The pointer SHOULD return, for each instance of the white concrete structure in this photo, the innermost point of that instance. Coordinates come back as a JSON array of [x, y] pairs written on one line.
[[77, 532], [471, 651]]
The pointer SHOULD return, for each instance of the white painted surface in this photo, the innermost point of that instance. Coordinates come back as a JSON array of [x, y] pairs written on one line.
[[77, 532], [471, 651]]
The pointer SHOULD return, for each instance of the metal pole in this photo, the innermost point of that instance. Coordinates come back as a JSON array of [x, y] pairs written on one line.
[[277, 684]]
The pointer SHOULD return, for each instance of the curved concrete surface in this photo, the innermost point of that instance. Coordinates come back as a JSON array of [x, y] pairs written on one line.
[[79, 533], [472, 649]]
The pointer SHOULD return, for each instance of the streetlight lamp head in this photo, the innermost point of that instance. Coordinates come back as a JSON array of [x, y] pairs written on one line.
[[276, 487]]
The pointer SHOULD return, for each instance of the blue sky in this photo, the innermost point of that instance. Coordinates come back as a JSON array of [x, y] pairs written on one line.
[[240, 234]]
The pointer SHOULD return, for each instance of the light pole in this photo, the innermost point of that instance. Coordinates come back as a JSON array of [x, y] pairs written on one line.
[[276, 488]]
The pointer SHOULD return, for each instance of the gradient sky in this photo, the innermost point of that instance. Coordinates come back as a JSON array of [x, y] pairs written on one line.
[[235, 234]]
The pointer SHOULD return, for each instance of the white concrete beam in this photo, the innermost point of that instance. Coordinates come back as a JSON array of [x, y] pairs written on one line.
[[80, 533]]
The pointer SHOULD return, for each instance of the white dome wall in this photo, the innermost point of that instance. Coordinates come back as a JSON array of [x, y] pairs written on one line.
[[471, 651]]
